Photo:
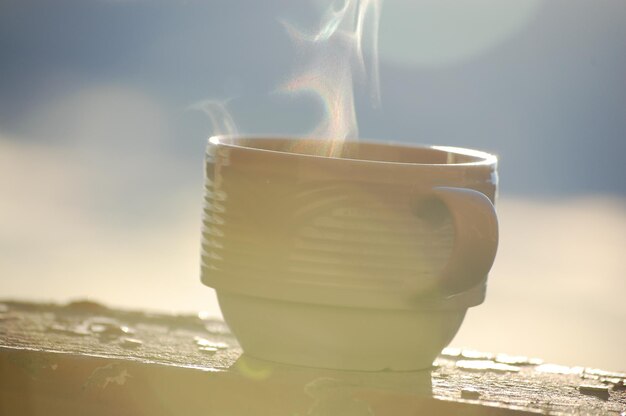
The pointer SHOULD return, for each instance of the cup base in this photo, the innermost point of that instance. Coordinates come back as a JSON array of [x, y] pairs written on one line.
[[335, 337]]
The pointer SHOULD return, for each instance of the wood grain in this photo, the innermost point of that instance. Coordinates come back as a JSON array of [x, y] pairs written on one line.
[[85, 358]]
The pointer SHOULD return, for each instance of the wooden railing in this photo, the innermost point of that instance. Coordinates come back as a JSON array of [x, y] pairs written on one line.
[[86, 359]]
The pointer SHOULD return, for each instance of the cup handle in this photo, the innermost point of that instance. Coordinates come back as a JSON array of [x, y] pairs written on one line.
[[476, 239]]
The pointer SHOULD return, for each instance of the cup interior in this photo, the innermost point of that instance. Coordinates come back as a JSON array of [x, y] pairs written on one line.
[[362, 150]]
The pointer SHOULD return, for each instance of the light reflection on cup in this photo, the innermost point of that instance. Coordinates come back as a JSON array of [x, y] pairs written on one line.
[[364, 262]]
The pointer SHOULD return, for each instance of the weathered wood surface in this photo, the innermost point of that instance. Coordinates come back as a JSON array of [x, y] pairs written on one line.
[[84, 358]]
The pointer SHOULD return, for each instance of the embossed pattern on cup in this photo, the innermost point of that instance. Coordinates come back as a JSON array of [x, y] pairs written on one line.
[[365, 262], [275, 220]]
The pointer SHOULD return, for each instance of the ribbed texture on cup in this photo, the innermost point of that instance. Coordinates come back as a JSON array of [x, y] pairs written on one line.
[[319, 234]]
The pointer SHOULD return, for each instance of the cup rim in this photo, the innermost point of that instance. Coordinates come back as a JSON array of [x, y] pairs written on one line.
[[482, 158]]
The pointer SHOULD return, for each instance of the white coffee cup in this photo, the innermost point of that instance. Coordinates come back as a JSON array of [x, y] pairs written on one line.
[[368, 261]]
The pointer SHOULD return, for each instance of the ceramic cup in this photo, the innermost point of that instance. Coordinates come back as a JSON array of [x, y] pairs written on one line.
[[367, 261]]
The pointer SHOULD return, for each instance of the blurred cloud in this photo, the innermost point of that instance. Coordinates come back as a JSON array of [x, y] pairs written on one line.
[[116, 139], [97, 209], [530, 80], [55, 245]]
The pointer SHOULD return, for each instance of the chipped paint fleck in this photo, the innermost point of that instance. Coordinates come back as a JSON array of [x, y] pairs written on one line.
[[601, 392], [559, 369], [602, 373], [470, 393], [203, 342], [101, 377], [108, 328], [620, 385], [476, 355], [75, 330], [451, 352], [486, 365], [517, 360], [131, 342], [119, 379]]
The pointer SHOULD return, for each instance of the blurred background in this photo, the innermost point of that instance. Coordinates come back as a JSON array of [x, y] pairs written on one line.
[[101, 155]]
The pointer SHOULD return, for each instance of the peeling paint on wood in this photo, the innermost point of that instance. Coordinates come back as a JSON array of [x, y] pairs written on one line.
[[85, 358]]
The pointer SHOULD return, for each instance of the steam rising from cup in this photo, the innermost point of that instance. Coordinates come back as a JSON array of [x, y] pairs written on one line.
[[332, 57], [342, 49], [222, 122]]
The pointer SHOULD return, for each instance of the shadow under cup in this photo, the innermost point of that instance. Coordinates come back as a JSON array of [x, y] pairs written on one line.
[[367, 260]]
